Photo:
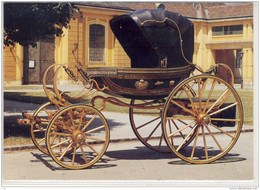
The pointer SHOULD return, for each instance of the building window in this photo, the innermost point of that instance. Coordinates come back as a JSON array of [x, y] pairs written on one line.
[[96, 43], [227, 30]]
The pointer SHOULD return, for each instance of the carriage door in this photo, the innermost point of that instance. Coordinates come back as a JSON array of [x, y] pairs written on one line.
[[37, 60]]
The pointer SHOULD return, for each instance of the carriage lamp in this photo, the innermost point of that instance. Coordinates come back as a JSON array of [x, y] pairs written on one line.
[[240, 57]]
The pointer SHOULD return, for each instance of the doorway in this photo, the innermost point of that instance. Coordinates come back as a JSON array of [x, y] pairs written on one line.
[[37, 60], [229, 57]]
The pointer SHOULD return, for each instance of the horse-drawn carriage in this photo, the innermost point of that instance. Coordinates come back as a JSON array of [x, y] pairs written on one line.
[[197, 117]]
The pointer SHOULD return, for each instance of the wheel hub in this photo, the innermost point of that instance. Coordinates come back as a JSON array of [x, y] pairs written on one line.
[[78, 137], [203, 120]]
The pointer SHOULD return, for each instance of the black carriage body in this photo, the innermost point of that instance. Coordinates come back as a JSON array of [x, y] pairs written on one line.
[[149, 36], [160, 45]]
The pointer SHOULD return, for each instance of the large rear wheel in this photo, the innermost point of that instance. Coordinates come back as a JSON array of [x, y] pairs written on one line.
[[146, 124], [211, 121]]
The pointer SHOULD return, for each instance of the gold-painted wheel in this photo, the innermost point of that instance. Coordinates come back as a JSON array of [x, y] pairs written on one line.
[[211, 121], [146, 124], [42, 116], [80, 130]]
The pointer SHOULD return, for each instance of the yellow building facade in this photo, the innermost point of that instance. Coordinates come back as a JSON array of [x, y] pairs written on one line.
[[75, 45], [13, 65], [217, 40], [211, 49]]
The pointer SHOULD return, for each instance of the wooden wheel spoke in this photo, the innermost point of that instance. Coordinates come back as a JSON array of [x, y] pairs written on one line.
[[210, 93], [199, 94], [97, 139], [182, 122], [187, 93], [51, 143], [83, 153], [180, 118], [71, 118], [39, 130], [194, 145], [41, 140], [153, 131], [214, 138], [218, 100], [64, 126], [182, 107], [177, 129], [92, 148], [204, 86], [170, 128], [189, 88], [148, 122], [181, 129], [81, 118], [61, 134], [223, 119], [205, 143], [60, 143], [66, 150], [222, 109], [74, 155], [185, 122], [222, 130], [185, 139], [57, 107], [96, 129], [89, 122], [46, 111]]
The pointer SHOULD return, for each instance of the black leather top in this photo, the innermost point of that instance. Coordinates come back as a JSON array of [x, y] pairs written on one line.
[[151, 35]]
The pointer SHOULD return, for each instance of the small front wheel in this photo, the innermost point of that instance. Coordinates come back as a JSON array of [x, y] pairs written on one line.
[[42, 116], [77, 136]]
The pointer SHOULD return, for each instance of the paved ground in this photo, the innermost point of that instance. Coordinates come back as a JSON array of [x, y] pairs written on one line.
[[132, 161]]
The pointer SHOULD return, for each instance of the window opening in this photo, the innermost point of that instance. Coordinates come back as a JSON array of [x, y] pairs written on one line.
[[96, 43], [227, 30]]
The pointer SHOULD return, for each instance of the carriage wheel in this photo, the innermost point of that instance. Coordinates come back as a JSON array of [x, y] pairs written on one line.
[[80, 130], [42, 116], [146, 124], [212, 120]]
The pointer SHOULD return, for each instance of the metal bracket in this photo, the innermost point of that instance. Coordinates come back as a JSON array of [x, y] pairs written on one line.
[[164, 63], [70, 73]]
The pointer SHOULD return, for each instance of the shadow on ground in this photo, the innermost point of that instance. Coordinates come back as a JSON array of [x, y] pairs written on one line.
[[143, 153], [49, 163]]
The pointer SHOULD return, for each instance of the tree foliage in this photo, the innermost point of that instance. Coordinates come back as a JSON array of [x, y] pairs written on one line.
[[27, 23]]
